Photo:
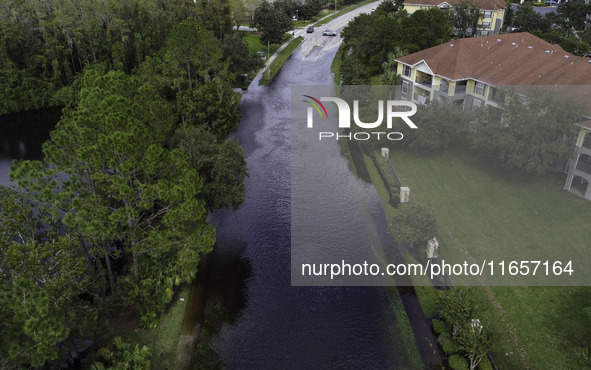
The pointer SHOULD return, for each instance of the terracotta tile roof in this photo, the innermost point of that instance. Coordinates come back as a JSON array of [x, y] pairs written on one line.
[[508, 59], [484, 4]]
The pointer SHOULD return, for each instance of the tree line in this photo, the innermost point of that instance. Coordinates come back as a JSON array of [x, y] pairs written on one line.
[[370, 39], [566, 27], [45, 45]]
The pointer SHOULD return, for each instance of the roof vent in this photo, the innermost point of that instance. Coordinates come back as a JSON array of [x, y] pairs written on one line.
[[589, 61], [498, 40], [514, 43], [539, 76], [489, 47], [530, 47], [566, 56], [547, 51], [451, 45]]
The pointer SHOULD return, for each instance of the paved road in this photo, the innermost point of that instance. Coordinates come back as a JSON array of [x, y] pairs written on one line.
[[326, 43]]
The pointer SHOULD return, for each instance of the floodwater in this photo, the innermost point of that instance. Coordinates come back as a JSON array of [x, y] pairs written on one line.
[[284, 326]]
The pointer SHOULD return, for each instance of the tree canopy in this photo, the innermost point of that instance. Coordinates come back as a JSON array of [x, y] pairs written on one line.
[[371, 38], [45, 45], [529, 131], [466, 15], [273, 21], [412, 223], [46, 289], [107, 173]]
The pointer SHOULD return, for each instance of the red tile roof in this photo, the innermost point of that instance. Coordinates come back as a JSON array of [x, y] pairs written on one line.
[[483, 4], [508, 59]]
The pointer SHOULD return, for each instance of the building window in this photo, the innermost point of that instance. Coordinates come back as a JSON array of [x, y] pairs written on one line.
[[405, 86], [483, 33], [487, 14], [406, 71], [485, 25], [479, 88]]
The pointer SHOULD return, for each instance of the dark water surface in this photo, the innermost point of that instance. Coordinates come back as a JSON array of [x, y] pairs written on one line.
[[285, 327], [21, 136]]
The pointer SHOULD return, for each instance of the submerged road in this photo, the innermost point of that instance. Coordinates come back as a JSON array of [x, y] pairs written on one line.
[[284, 326]]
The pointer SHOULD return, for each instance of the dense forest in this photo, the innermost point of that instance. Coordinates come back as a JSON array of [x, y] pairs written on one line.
[[113, 218], [45, 45]]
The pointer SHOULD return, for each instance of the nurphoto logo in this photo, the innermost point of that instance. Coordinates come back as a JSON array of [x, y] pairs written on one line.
[[345, 118]]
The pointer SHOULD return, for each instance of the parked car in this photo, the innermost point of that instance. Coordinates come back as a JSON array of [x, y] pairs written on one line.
[[551, 2], [262, 54], [328, 33], [310, 29]]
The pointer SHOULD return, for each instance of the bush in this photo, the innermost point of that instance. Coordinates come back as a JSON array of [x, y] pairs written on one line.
[[388, 177], [394, 195], [448, 344], [458, 362], [440, 327], [123, 355], [485, 364]]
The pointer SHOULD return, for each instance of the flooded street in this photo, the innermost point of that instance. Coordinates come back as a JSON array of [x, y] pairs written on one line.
[[284, 326]]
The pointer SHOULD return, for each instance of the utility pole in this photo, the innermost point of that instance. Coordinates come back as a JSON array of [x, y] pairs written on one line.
[[268, 64]]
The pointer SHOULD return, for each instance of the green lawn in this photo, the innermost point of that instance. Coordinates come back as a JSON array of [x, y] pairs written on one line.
[[304, 22], [164, 339], [281, 58], [335, 66], [253, 40], [341, 12], [479, 210]]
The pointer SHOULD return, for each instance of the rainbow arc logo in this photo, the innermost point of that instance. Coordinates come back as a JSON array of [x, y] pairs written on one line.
[[318, 105]]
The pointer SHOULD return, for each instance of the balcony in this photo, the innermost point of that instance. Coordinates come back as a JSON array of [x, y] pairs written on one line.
[[460, 89], [587, 141], [584, 167], [423, 81]]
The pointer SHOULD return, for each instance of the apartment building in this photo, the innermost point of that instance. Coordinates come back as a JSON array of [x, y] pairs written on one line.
[[493, 13], [469, 72]]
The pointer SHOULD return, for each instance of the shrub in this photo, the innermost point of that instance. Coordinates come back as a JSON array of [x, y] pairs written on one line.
[[440, 327], [394, 195], [458, 362], [385, 170], [485, 364], [388, 177], [448, 344]]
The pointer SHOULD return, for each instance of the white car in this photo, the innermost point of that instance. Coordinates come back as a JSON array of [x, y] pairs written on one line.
[[328, 33]]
